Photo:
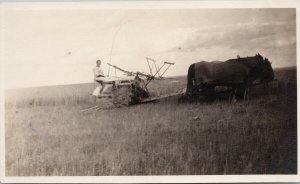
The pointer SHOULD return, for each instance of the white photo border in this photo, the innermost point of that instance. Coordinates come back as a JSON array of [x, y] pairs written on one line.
[[171, 4]]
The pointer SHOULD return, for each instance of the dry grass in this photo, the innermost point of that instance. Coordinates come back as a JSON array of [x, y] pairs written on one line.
[[77, 94], [165, 138]]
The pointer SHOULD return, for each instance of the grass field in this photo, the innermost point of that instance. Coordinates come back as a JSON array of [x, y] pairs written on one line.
[[47, 134]]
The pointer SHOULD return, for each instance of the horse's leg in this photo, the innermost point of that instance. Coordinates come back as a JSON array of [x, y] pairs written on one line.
[[233, 94], [212, 92], [265, 87], [246, 94], [209, 92], [241, 91], [191, 79], [232, 97]]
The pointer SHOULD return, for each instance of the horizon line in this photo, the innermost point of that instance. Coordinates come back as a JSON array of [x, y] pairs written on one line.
[[68, 84]]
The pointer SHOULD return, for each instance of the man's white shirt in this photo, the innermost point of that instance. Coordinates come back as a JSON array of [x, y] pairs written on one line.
[[98, 71]]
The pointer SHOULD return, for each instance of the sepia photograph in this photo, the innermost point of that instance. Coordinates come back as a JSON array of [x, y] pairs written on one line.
[[95, 90]]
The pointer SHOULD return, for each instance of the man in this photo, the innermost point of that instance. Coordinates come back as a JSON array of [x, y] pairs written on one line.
[[98, 73], [98, 77]]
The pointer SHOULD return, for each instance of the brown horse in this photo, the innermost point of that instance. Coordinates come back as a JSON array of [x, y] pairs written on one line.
[[237, 74]]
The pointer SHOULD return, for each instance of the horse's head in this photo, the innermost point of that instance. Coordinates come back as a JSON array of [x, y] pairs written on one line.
[[264, 69]]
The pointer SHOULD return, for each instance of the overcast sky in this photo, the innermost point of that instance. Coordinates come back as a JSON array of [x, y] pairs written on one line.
[[51, 47]]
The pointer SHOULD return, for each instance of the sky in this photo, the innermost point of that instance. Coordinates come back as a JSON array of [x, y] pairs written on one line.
[[43, 47]]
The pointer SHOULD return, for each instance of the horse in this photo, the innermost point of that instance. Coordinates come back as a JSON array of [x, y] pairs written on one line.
[[237, 74]]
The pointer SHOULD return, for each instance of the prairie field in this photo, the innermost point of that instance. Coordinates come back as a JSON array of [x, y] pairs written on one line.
[[47, 134]]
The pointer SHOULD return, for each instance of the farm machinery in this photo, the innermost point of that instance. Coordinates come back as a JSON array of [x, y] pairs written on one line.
[[206, 80], [131, 88]]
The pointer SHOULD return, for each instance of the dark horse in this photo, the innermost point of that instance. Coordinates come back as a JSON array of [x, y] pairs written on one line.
[[238, 74]]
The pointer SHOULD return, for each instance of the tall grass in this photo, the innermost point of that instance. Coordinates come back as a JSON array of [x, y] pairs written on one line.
[[79, 94], [218, 138], [258, 136], [49, 96]]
